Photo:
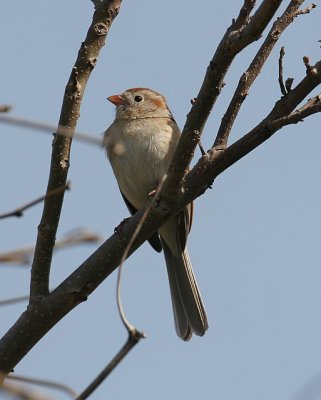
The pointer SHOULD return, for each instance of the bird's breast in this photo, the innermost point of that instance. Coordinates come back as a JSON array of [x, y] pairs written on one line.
[[139, 156]]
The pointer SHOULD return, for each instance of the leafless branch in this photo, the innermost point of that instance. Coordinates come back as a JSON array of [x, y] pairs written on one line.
[[104, 15], [281, 80], [216, 161], [4, 108], [306, 10], [134, 335], [14, 300], [288, 84], [83, 281], [18, 212], [131, 342], [130, 328], [235, 40], [244, 14], [253, 72], [312, 106], [44, 127], [24, 255], [44, 382], [22, 393]]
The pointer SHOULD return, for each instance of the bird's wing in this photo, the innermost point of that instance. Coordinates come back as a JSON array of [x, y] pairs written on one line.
[[184, 222], [154, 240]]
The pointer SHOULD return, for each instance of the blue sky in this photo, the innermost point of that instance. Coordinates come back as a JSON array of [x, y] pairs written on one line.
[[255, 242]]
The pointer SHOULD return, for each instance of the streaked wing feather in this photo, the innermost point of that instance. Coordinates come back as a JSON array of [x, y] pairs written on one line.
[[154, 240], [184, 222]]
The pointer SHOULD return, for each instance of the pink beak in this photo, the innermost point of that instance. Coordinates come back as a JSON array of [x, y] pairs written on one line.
[[116, 99]]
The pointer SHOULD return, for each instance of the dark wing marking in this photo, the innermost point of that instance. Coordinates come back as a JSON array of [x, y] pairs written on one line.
[[154, 240], [184, 222]]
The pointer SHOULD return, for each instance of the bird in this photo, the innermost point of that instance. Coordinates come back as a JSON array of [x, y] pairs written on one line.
[[140, 144]]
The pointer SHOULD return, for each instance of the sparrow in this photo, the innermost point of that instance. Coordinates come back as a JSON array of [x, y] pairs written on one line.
[[140, 144]]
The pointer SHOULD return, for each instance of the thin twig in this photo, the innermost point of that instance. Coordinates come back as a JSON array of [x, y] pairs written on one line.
[[312, 106], [44, 382], [18, 212], [306, 10], [23, 256], [203, 152], [306, 62], [4, 108], [252, 73], [44, 127], [288, 84], [19, 392], [233, 42], [244, 14], [283, 113], [281, 80], [14, 300], [130, 328], [130, 343], [134, 335]]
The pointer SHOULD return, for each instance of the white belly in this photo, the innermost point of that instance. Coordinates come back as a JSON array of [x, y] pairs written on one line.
[[139, 161]]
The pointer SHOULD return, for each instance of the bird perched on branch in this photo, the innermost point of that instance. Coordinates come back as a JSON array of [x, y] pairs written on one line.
[[140, 144]]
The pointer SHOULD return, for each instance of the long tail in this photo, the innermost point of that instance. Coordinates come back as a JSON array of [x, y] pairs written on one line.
[[189, 312]]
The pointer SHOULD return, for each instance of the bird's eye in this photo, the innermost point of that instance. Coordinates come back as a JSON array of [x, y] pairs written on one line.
[[138, 99]]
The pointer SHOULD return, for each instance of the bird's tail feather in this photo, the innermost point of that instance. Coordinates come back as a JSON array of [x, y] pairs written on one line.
[[189, 311]]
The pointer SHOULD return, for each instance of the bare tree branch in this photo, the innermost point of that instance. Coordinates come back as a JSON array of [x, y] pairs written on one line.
[[18, 212], [44, 127], [4, 108], [281, 80], [14, 300], [235, 39], [213, 164], [75, 289], [44, 382], [129, 327], [131, 342], [244, 14], [22, 393], [312, 106], [24, 255], [134, 335], [306, 10], [253, 72], [104, 15]]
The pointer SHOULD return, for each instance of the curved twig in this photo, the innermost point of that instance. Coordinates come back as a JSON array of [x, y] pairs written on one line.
[[44, 382], [21, 392], [130, 328], [18, 212], [130, 343]]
